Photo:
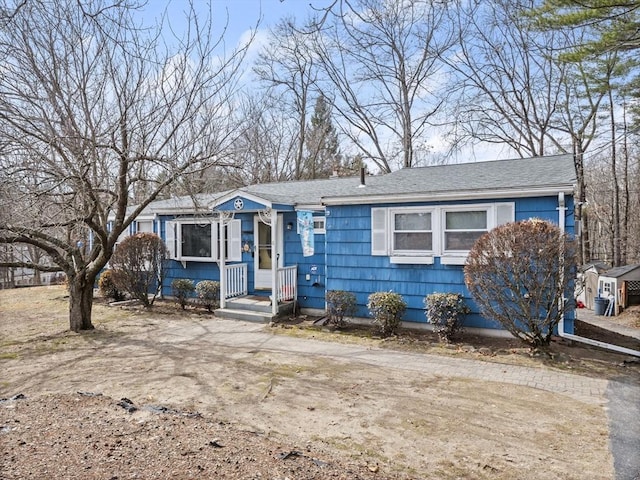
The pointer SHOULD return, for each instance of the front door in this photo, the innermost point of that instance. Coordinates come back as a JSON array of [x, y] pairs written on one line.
[[264, 252]]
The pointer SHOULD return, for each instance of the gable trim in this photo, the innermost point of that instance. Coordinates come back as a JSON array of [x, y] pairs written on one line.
[[242, 194]]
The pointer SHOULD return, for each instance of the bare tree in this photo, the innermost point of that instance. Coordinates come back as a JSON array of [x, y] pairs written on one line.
[[383, 60], [513, 89], [94, 105], [508, 85], [287, 66]]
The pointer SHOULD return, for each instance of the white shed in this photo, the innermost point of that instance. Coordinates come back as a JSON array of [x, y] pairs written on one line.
[[623, 283], [587, 282]]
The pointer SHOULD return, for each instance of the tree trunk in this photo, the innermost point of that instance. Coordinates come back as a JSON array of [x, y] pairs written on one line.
[[80, 303], [584, 255]]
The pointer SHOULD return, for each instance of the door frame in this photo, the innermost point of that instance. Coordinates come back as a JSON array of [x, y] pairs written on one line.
[[263, 277]]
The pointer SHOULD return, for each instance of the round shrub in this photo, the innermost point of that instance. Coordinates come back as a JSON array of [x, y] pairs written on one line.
[[182, 289], [445, 311], [520, 275], [208, 292], [340, 304], [387, 309], [107, 287]]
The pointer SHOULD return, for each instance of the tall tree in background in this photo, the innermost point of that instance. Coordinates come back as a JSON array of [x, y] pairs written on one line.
[[94, 105], [321, 143], [287, 67], [606, 33], [382, 60], [614, 24], [507, 83]]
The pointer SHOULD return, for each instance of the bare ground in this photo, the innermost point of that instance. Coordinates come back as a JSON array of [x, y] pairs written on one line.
[[270, 414]]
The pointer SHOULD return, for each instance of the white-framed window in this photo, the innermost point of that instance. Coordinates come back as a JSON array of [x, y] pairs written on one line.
[[411, 231], [605, 288], [319, 225], [461, 228], [144, 226], [199, 240], [414, 235]]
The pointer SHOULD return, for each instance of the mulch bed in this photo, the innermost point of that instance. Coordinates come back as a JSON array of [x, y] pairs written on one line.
[[587, 330]]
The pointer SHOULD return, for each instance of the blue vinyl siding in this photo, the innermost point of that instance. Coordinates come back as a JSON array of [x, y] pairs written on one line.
[[351, 266], [310, 292], [343, 260]]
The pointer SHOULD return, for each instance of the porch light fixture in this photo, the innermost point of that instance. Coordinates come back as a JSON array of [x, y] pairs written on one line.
[[290, 226]]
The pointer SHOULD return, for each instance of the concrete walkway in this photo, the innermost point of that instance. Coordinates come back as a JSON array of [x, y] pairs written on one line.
[[252, 336]]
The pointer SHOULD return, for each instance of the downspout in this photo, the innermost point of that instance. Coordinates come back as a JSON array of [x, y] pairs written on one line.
[[221, 263], [274, 262], [569, 336]]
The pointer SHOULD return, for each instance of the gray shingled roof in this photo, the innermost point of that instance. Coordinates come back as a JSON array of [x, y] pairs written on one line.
[[504, 175], [514, 174], [618, 272]]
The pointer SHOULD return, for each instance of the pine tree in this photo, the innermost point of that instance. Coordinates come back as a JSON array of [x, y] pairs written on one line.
[[321, 143]]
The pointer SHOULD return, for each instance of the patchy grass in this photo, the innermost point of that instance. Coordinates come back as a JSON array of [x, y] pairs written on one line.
[[561, 355]]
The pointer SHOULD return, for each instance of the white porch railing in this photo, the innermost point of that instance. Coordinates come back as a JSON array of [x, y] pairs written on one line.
[[287, 283], [236, 280]]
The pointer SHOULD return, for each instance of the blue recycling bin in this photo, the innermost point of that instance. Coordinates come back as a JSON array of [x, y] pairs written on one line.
[[600, 305]]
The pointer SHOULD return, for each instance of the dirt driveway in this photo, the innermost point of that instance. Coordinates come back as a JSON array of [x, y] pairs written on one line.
[[411, 415]]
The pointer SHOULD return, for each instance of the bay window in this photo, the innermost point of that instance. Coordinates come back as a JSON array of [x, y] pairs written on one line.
[[199, 240]]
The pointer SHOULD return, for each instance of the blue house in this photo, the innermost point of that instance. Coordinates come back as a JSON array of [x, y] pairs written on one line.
[[409, 231]]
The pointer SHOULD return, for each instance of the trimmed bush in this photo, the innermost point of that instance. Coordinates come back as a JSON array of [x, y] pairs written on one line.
[[387, 309], [208, 292], [520, 275], [182, 289], [445, 311], [107, 287], [340, 304]]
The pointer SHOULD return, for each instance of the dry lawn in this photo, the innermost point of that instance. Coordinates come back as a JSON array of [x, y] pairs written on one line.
[[340, 418]]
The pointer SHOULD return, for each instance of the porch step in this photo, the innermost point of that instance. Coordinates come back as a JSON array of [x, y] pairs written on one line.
[[252, 309], [246, 315], [250, 303]]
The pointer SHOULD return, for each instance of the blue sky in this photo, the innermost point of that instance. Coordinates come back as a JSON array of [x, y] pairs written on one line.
[[242, 15]]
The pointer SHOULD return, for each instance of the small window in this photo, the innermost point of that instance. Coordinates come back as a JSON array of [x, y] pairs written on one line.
[[144, 226], [319, 225], [412, 232], [463, 228], [605, 288]]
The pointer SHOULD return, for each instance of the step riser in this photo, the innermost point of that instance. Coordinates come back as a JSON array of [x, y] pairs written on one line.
[[245, 315], [264, 307]]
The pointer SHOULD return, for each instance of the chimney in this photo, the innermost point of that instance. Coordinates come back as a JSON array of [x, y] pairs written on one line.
[[362, 184]]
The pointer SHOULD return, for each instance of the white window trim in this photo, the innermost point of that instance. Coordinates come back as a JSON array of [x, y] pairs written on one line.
[[382, 230], [323, 221], [412, 253], [148, 221], [234, 248]]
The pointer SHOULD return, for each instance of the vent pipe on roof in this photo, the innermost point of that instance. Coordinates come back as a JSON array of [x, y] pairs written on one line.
[[362, 184]]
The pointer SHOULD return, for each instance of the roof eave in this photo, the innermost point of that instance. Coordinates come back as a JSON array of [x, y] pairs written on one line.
[[546, 191]]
